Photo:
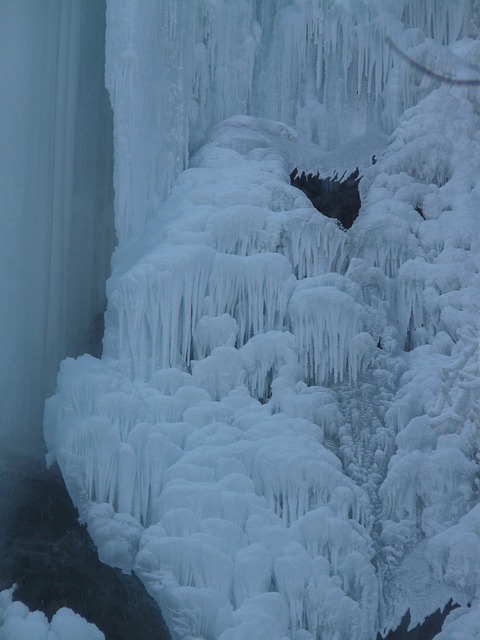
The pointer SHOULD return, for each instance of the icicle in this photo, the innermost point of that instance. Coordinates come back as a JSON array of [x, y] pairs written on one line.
[[325, 318]]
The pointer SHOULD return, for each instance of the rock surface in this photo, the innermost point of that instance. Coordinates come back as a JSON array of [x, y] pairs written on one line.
[[53, 561]]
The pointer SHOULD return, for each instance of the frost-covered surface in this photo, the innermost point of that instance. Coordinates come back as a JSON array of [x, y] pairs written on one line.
[[281, 438], [18, 623]]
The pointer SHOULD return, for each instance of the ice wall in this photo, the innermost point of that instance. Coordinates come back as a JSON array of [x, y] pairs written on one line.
[[174, 69], [56, 221]]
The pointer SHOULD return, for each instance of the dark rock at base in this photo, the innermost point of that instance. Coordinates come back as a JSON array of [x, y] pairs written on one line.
[[51, 558]]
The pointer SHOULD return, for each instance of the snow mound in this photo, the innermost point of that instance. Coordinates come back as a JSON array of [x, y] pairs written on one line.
[[18, 623]]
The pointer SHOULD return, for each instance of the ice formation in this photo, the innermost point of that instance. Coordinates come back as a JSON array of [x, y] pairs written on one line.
[[18, 623], [281, 437], [321, 66]]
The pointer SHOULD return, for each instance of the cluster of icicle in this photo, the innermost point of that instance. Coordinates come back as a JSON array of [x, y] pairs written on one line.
[[323, 66], [195, 447]]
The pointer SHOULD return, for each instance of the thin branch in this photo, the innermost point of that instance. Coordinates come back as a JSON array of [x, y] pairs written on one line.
[[428, 72]]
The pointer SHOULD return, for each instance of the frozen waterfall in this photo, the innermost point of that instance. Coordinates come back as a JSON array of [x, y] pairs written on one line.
[[56, 225], [281, 436]]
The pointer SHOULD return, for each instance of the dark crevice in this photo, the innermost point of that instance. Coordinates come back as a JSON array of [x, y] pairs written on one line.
[[430, 627], [335, 197], [419, 210]]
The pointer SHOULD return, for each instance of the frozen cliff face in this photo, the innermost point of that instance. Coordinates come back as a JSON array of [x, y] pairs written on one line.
[[56, 225], [281, 437]]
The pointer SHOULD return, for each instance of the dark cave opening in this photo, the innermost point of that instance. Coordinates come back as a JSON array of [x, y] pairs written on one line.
[[335, 197], [430, 627]]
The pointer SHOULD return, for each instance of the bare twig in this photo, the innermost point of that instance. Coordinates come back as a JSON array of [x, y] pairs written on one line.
[[428, 72]]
